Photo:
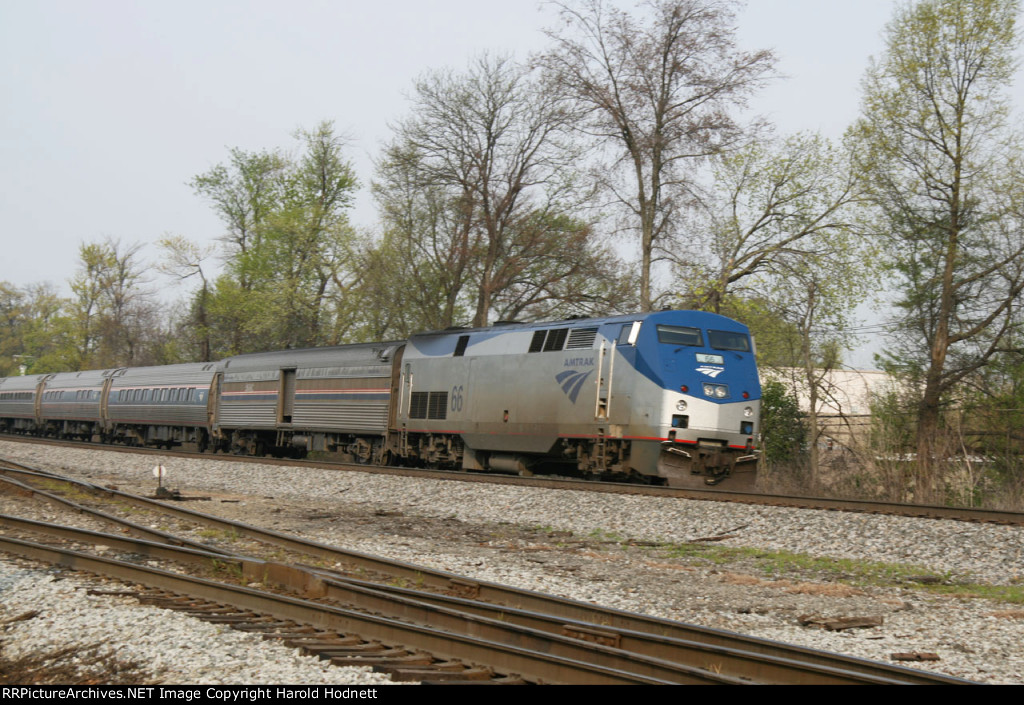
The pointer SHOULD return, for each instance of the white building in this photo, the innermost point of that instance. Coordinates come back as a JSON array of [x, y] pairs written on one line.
[[845, 397]]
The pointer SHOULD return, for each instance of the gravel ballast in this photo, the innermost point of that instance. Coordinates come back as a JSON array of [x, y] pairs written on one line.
[[174, 648], [608, 549]]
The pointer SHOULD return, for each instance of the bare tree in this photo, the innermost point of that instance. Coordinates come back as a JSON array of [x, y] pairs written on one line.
[[768, 205], [815, 294], [185, 260], [659, 93], [430, 228], [476, 189]]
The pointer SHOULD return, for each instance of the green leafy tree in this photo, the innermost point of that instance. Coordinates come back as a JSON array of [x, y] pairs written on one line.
[[783, 430], [13, 320], [112, 312], [944, 173], [34, 329], [288, 247], [317, 237], [244, 193]]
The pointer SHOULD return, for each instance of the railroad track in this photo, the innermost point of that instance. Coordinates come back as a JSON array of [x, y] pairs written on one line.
[[967, 514], [399, 611]]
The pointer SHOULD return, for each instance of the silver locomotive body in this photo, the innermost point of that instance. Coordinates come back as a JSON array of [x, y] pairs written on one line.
[[621, 396]]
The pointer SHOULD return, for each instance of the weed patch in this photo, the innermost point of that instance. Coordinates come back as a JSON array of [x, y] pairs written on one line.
[[73, 665], [781, 565]]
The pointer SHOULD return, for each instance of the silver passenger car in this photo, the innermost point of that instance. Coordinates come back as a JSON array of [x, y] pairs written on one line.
[[19, 403], [71, 404], [165, 406], [323, 399]]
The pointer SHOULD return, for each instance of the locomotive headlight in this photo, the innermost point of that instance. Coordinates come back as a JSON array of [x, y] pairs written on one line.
[[748, 412], [719, 391], [681, 405]]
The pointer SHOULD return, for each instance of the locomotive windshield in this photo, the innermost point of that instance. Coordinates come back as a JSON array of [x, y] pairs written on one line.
[[724, 340], [678, 335]]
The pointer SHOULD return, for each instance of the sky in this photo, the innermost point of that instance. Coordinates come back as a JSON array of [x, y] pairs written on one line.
[[111, 107]]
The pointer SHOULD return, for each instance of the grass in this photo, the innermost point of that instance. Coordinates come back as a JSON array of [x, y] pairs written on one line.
[[228, 535], [551, 533], [861, 573], [65, 489], [416, 583], [129, 508], [607, 536], [1013, 594], [231, 569]]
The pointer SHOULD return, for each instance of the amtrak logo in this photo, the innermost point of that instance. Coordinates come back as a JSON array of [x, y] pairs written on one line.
[[711, 372], [572, 381]]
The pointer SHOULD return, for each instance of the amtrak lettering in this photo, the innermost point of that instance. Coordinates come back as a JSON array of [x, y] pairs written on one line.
[[579, 362]]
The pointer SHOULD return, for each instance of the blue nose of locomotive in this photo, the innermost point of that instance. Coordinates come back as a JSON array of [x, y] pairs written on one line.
[[702, 356]]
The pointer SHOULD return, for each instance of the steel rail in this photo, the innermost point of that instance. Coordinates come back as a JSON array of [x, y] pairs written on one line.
[[129, 526], [141, 546], [783, 668], [564, 608], [534, 665], [991, 516], [750, 667], [858, 506], [636, 653]]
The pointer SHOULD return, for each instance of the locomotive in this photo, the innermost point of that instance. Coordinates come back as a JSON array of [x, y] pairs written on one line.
[[670, 397]]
